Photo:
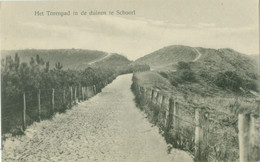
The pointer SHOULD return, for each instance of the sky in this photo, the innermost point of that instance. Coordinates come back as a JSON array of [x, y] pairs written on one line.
[[156, 24]]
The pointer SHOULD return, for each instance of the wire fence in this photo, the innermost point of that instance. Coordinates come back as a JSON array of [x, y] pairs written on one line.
[[21, 110], [207, 133]]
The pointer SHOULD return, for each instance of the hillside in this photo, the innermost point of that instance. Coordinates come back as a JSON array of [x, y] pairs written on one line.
[[221, 60], [204, 71], [69, 58], [113, 60], [168, 57], [220, 81]]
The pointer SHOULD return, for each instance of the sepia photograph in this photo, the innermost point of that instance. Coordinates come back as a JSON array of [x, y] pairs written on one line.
[[130, 81]]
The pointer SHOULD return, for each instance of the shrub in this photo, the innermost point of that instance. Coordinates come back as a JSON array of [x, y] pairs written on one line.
[[252, 85], [188, 75], [229, 80], [183, 74], [163, 74], [183, 66]]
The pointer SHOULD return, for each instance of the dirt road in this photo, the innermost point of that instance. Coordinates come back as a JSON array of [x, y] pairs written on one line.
[[95, 61], [199, 55], [107, 127]]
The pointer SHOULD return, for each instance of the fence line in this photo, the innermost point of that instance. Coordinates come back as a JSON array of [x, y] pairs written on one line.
[[154, 102], [36, 105]]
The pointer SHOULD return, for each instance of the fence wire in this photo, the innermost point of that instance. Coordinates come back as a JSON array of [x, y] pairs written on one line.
[[42, 104], [221, 131]]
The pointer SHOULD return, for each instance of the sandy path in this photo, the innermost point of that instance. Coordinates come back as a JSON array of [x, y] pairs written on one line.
[[108, 127], [93, 62], [199, 55]]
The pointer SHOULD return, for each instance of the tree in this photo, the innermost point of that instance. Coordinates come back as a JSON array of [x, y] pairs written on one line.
[[183, 66], [58, 66], [32, 62], [229, 80], [17, 62], [47, 66]]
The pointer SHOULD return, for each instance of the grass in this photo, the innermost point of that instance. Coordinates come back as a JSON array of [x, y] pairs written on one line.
[[168, 57], [220, 81], [223, 110], [76, 59]]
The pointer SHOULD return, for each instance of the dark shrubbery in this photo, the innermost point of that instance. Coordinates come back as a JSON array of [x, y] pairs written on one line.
[[232, 81], [164, 74], [252, 85], [17, 78], [183, 74], [187, 76], [183, 66], [229, 80]]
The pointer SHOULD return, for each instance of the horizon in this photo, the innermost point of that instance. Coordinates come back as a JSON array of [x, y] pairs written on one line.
[[122, 53], [202, 23]]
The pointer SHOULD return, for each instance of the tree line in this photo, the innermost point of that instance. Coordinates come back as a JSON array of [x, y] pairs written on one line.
[[18, 77]]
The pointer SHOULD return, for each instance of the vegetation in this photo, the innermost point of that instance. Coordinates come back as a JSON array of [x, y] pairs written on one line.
[[18, 77], [76, 59], [220, 81], [168, 57], [222, 137], [184, 74]]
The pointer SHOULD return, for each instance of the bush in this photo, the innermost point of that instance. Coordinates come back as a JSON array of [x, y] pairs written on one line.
[[17, 77], [188, 76], [229, 80], [183, 66], [183, 74], [252, 85], [163, 74]]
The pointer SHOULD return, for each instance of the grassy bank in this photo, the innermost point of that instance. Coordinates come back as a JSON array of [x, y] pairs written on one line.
[[222, 108]]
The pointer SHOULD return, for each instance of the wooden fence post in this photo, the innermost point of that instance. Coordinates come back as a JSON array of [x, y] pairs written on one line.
[[64, 97], [95, 89], [164, 110], [142, 92], [201, 135], [163, 102], [254, 152], [138, 89], [157, 97], [75, 94], [243, 136], [78, 94], [71, 96], [85, 93], [175, 115], [24, 112], [152, 96], [148, 95], [82, 93], [39, 105], [170, 114], [197, 133], [247, 136], [52, 101], [144, 95], [258, 108]]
